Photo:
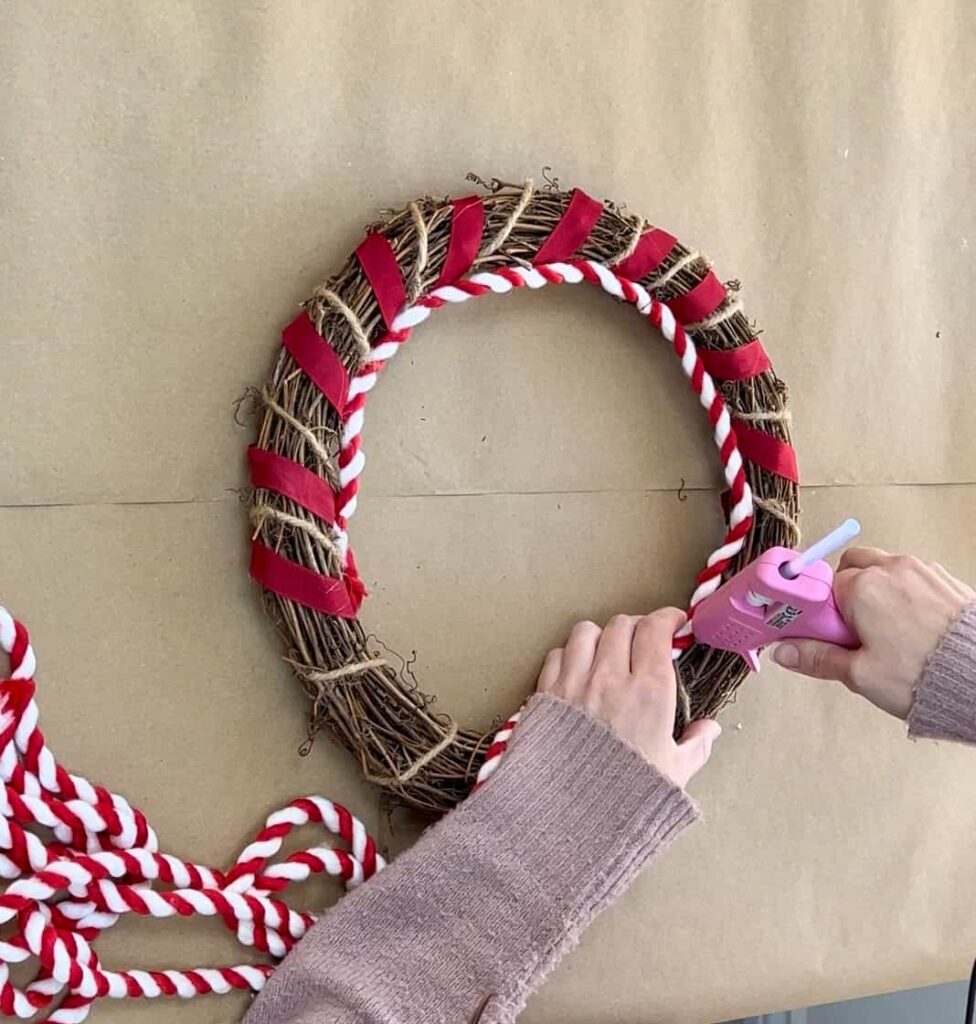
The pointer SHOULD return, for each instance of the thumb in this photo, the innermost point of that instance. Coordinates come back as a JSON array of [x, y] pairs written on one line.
[[695, 748], [815, 658]]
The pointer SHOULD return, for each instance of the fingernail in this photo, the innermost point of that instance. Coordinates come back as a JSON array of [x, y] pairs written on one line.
[[786, 655]]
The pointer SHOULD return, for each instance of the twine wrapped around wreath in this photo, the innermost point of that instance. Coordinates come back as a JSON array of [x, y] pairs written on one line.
[[367, 704]]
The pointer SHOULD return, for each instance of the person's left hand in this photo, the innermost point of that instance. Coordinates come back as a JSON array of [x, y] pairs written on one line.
[[624, 676]]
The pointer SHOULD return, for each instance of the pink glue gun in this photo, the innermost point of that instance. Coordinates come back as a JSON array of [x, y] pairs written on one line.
[[782, 595]]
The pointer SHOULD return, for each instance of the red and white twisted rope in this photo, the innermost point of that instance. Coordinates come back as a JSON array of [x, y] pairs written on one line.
[[104, 862], [352, 459]]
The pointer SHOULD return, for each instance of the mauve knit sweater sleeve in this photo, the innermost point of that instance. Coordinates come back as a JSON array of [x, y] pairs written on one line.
[[945, 701], [483, 906], [473, 916]]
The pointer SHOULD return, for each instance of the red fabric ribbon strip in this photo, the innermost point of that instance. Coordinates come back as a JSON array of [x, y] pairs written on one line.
[[276, 473], [296, 583], [740, 363], [652, 250], [573, 229], [700, 302], [765, 450], [317, 359], [376, 257], [467, 224]]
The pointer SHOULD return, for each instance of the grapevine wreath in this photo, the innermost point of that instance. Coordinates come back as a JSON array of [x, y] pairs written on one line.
[[98, 858], [306, 464]]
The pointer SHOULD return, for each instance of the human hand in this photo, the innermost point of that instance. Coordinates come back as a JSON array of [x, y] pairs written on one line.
[[899, 607], [624, 676]]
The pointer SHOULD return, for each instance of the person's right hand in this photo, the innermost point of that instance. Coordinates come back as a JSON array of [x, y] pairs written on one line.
[[899, 607]]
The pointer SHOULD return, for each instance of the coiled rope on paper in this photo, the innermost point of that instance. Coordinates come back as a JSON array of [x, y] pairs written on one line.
[[104, 862]]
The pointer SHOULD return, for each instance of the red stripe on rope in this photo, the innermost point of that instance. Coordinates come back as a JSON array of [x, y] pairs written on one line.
[[467, 224], [379, 263], [296, 583], [740, 363], [573, 229], [700, 302], [276, 473], [345, 823], [652, 250], [20, 645], [369, 857], [765, 450], [496, 748], [317, 359]]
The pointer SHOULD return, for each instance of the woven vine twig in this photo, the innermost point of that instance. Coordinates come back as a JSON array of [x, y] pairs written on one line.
[[373, 710]]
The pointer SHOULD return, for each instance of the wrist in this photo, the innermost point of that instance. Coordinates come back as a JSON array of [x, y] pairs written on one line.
[[566, 771]]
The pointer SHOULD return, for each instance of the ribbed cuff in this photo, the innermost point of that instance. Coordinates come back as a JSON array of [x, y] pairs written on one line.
[[945, 701], [568, 775]]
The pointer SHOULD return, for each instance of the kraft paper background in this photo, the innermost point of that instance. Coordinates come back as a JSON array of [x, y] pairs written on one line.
[[175, 178]]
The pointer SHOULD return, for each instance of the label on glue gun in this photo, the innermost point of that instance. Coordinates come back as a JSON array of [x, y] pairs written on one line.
[[784, 617]]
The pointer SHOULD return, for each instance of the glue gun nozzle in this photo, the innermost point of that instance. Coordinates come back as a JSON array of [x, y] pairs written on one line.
[[751, 658]]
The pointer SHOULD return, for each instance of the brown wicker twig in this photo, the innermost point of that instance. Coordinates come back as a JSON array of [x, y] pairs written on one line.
[[376, 712]]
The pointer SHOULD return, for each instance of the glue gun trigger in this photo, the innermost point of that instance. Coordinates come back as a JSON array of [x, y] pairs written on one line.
[[751, 658]]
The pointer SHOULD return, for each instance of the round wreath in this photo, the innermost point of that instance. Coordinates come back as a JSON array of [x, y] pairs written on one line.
[[306, 465]]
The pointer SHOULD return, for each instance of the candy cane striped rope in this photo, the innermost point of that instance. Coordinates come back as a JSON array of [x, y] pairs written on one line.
[[493, 754], [352, 459], [105, 861]]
